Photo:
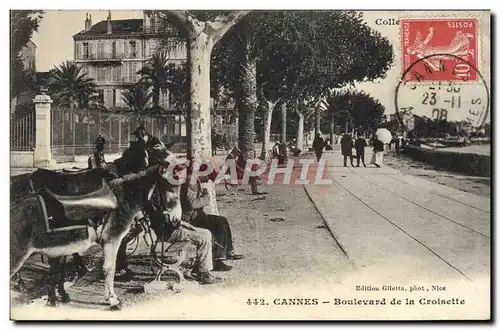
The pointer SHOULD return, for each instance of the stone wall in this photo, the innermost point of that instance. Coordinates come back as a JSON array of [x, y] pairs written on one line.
[[465, 163]]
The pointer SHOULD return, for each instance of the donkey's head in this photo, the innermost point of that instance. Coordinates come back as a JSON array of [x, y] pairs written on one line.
[[169, 166]]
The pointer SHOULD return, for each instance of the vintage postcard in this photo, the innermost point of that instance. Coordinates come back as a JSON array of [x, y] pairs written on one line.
[[250, 165]]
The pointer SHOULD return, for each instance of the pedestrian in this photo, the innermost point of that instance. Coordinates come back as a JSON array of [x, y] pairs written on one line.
[[378, 153], [346, 146], [279, 151], [397, 145], [99, 150], [318, 146], [360, 145], [141, 134]]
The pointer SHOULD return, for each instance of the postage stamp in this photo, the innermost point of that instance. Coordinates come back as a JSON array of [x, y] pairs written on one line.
[[440, 43]]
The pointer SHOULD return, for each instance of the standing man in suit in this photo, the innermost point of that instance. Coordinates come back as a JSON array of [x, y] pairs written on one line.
[[360, 145]]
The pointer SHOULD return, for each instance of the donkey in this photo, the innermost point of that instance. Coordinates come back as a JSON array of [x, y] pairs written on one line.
[[114, 211]]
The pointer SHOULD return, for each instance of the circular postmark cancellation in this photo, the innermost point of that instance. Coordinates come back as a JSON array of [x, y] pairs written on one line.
[[422, 93]]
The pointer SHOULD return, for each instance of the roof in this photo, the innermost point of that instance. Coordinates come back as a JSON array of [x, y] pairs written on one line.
[[121, 27]]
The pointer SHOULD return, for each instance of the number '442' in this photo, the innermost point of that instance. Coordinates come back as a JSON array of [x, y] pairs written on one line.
[[256, 301]]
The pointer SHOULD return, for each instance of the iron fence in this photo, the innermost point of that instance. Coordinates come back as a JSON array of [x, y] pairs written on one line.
[[22, 132], [74, 131]]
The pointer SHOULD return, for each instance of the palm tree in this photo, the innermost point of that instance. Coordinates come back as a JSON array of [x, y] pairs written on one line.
[[137, 98], [154, 74], [69, 86]]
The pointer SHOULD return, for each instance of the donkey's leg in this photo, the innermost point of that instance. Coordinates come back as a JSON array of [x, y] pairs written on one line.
[[20, 285], [17, 259], [110, 251], [60, 286], [80, 264], [54, 274], [60, 277]]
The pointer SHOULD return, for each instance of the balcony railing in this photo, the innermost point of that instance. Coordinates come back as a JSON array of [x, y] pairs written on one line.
[[129, 80], [107, 57]]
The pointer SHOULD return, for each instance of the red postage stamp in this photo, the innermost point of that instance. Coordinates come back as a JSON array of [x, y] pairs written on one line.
[[450, 43]]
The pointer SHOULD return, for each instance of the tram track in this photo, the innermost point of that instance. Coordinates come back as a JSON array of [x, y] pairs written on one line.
[[424, 207], [440, 195], [401, 229]]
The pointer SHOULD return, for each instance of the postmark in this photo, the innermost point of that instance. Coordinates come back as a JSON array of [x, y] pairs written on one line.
[[434, 43], [466, 106]]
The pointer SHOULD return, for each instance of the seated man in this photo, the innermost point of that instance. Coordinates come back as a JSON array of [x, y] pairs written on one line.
[[165, 211], [194, 199]]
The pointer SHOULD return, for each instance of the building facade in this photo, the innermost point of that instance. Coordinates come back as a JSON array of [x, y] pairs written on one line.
[[113, 51]]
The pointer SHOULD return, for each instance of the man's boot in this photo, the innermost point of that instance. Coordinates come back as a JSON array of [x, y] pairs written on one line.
[[204, 277], [220, 266]]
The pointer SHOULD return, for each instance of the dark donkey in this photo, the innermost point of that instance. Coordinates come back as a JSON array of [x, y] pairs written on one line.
[[134, 159], [56, 225]]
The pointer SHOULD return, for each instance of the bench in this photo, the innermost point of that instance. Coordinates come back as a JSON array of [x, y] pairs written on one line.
[[176, 253]]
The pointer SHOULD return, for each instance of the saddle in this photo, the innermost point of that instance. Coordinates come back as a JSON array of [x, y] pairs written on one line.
[[73, 212], [69, 198], [68, 182]]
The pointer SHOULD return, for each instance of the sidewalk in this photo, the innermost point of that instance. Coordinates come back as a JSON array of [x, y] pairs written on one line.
[[405, 227]]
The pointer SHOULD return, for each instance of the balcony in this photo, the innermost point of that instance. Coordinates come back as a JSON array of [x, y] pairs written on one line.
[[106, 57], [130, 80]]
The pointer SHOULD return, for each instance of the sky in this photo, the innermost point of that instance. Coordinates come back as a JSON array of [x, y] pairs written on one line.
[[55, 43], [54, 40]]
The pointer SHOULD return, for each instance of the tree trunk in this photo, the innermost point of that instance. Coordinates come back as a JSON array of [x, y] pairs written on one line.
[[283, 129], [267, 129], [13, 104], [199, 50], [156, 97], [300, 132], [332, 130], [201, 38], [247, 108], [317, 120], [199, 124]]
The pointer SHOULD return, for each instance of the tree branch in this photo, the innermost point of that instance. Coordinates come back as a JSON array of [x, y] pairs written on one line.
[[221, 24], [181, 17]]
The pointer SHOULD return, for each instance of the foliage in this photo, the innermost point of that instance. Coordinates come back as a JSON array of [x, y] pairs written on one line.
[[365, 111], [23, 23], [154, 74], [431, 128], [178, 85], [137, 98], [301, 55], [325, 50], [23, 109], [69, 87]]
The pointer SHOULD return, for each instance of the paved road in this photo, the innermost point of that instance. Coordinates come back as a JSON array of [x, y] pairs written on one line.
[[405, 227]]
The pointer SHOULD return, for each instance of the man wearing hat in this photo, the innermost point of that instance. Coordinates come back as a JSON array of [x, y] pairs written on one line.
[[159, 155], [194, 199], [161, 208]]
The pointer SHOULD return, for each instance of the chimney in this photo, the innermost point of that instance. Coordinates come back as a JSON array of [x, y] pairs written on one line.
[[110, 30], [88, 21]]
